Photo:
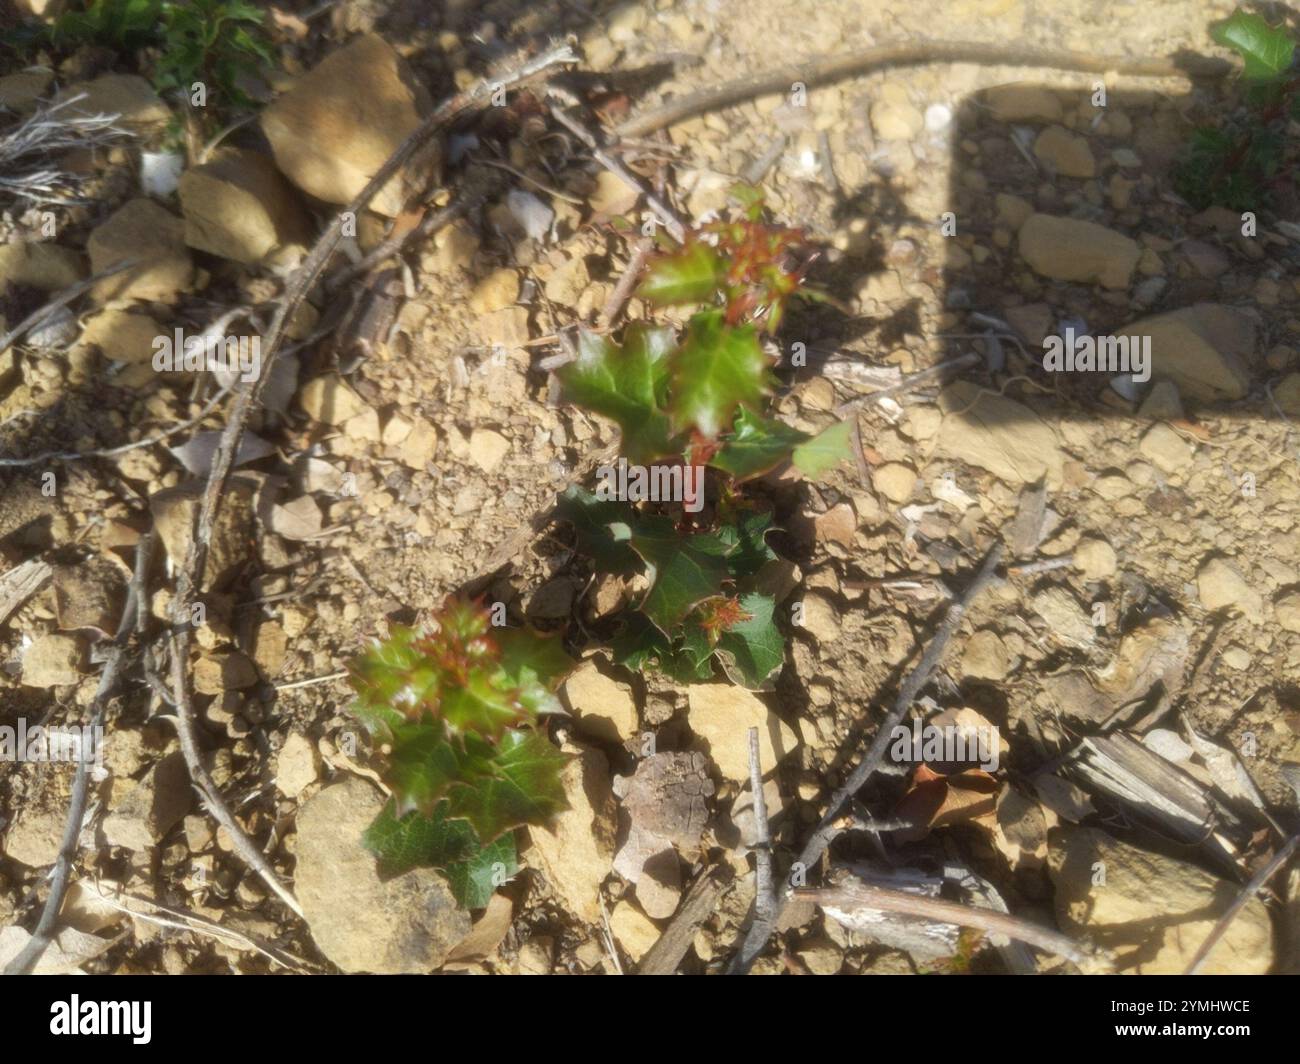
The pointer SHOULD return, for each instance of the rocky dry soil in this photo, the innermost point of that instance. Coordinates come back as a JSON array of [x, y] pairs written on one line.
[[1157, 597]]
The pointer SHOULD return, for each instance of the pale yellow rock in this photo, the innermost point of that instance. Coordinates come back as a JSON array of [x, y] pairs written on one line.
[[1022, 101], [19, 93], [497, 290], [1221, 585], [1067, 249], [339, 123], [297, 765], [238, 206], [894, 481], [984, 429], [52, 661], [46, 267], [575, 850], [721, 715], [328, 399], [153, 239], [128, 96], [487, 449], [122, 336], [1152, 911], [1068, 154], [1204, 349], [633, 930], [604, 708], [1095, 559], [1166, 450]]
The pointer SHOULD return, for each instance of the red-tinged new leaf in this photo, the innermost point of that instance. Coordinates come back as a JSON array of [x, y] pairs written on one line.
[[691, 274]]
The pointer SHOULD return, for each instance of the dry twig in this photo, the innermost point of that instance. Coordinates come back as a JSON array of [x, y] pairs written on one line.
[[761, 930]]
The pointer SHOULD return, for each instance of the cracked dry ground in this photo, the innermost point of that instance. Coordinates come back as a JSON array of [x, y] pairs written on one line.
[[387, 487]]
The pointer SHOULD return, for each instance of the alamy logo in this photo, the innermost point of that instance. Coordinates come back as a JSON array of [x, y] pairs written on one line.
[[103, 1017], [51, 744], [656, 483], [232, 356], [945, 744], [1101, 354]]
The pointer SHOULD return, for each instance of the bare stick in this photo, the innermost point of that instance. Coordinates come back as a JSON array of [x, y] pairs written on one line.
[[908, 383], [765, 898], [299, 284], [108, 682], [615, 166], [828, 69], [623, 290], [701, 900], [761, 930], [1252, 888], [857, 896]]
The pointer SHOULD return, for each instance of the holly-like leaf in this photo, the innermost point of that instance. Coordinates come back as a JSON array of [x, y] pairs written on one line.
[[691, 274], [591, 519], [533, 664], [756, 445], [524, 789], [683, 569], [716, 369], [825, 450], [422, 765], [753, 646], [628, 385], [1266, 51], [746, 538], [438, 841]]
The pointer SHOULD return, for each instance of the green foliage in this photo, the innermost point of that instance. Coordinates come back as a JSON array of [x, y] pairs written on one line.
[[699, 400], [459, 706], [1242, 163], [215, 42]]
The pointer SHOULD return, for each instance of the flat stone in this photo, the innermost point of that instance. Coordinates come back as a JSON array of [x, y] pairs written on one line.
[[720, 716], [53, 660], [154, 239], [575, 851], [984, 429], [1068, 249], [122, 336], [152, 807], [1166, 450], [1204, 349], [297, 765], [1022, 101], [19, 93], [128, 96], [328, 399], [1221, 585], [1068, 154], [43, 266], [605, 708], [1152, 911], [406, 925]]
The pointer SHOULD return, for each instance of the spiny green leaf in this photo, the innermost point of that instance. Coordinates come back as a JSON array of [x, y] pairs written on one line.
[[591, 518], [746, 538], [533, 664], [717, 368], [422, 765], [756, 445], [627, 384], [753, 646], [825, 450], [438, 841], [525, 787], [683, 569], [692, 274], [1266, 51]]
